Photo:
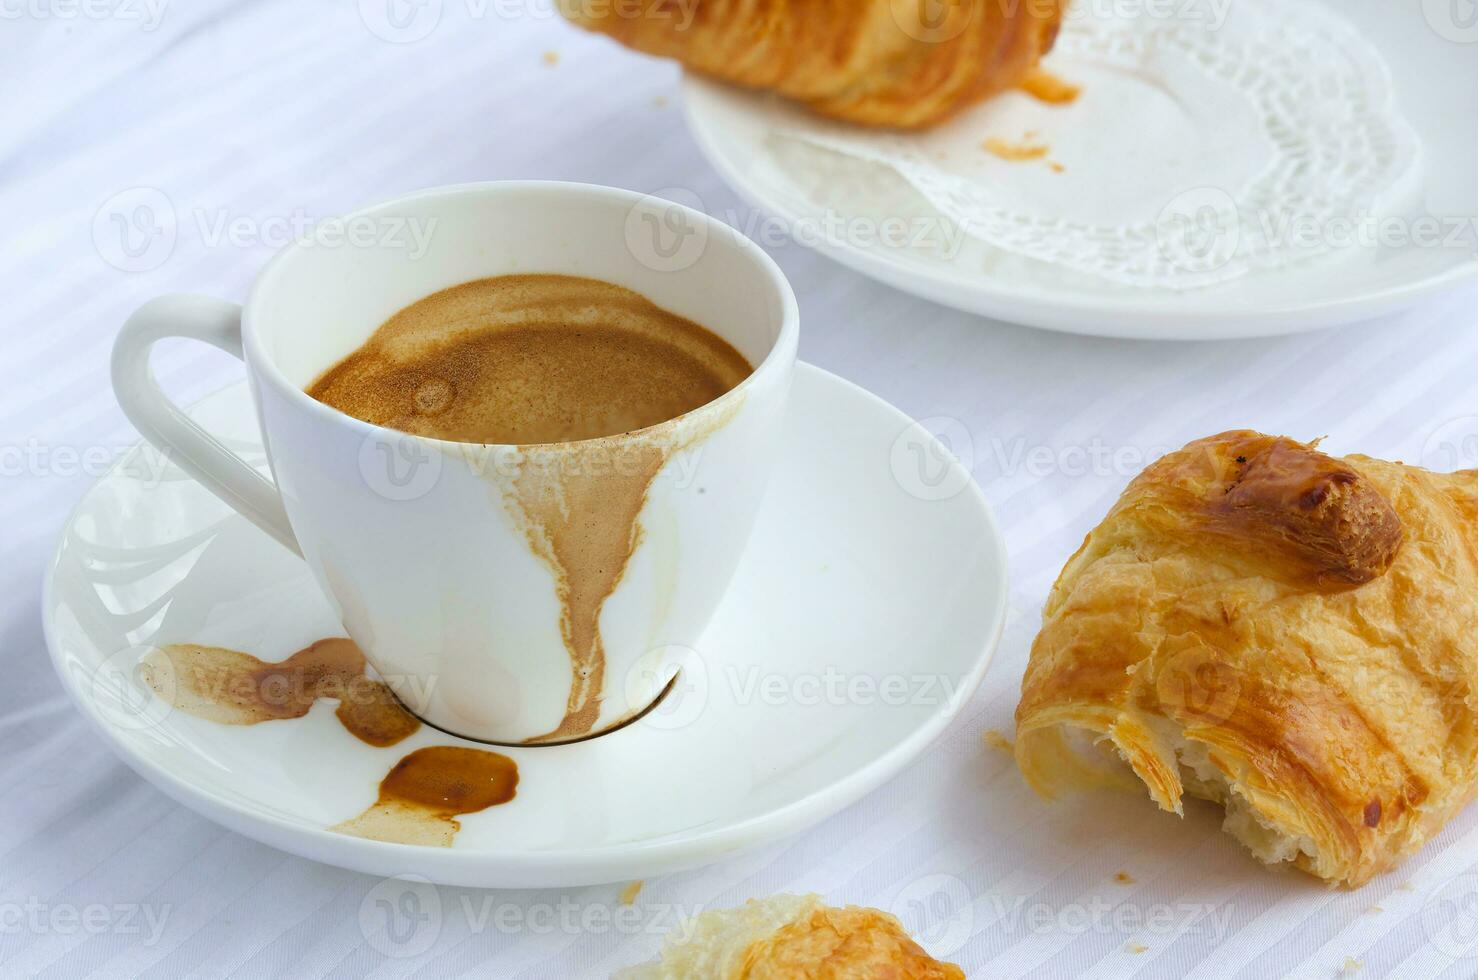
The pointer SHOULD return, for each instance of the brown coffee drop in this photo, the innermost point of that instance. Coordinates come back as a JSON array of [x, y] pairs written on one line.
[[422, 796]]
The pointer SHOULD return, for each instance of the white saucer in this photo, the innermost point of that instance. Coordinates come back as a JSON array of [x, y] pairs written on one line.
[[1434, 75], [863, 616]]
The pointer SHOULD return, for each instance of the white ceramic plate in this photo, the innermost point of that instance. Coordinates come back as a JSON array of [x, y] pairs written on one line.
[[876, 572], [1432, 54]]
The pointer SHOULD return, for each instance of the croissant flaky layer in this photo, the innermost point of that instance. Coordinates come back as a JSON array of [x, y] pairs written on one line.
[[793, 937], [900, 63], [1287, 634]]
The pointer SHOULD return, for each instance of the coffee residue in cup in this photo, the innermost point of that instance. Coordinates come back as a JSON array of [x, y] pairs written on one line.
[[568, 369], [421, 798], [234, 688], [529, 359]]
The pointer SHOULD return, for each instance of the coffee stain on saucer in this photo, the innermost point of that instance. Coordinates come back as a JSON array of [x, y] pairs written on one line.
[[421, 798], [234, 688]]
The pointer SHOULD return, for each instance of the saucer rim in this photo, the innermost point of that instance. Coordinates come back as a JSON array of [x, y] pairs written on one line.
[[550, 867]]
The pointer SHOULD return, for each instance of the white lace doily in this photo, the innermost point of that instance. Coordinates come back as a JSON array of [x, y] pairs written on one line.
[[1211, 138]]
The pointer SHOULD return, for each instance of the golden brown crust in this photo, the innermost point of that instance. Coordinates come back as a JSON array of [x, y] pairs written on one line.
[[1260, 624], [898, 63], [849, 943], [1310, 517]]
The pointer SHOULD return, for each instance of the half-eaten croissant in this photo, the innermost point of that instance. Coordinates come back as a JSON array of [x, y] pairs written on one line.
[[1290, 635]]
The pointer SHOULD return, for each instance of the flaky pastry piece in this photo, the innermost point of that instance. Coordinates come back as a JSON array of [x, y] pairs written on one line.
[[1287, 634], [898, 63], [793, 937]]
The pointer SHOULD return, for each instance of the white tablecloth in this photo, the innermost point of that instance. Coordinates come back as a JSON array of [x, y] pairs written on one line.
[[255, 114]]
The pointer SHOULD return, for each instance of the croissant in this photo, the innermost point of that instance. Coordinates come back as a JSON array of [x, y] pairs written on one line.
[[1289, 635], [793, 937], [899, 63]]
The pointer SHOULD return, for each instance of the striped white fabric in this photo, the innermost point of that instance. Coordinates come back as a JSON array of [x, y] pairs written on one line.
[[232, 120]]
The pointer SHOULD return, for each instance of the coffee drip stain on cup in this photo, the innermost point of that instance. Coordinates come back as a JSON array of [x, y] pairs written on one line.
[[421, 798], [555, 497], [587, 387], [234, 688]]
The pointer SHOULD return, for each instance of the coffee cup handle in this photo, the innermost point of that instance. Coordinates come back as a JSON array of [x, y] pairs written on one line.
[[161, 422]]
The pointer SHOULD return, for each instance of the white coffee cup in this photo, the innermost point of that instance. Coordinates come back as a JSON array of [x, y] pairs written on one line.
[[425, 560]]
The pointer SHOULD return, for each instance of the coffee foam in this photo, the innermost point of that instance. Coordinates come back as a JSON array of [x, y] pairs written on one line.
[[531, 359]]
